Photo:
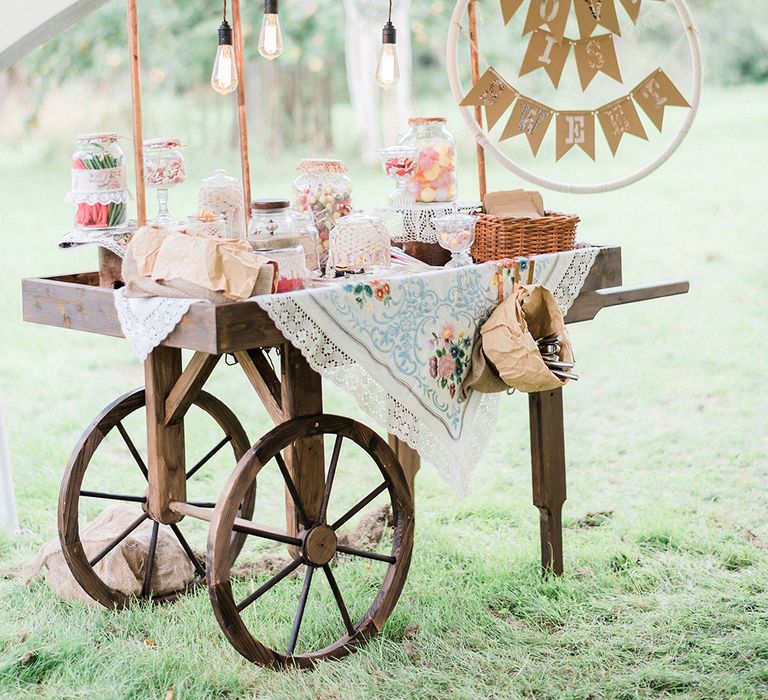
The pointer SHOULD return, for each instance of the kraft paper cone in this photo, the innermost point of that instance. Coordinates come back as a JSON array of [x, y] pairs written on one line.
[[508, 9], [545, 52], [633, 9], [591, 13], [553, 13], [530, 118], [596, 55], [492, 92], [574, 129], [656, 93], [619, 118]]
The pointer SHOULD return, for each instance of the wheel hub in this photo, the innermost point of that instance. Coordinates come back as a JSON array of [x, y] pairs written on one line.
[[319, 545]]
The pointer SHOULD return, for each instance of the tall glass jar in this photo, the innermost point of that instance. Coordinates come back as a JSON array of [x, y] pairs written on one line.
[[434, 179], [323, 190], [306, 233], [99, 184], [270, 218], [224, 194], [163, 168]]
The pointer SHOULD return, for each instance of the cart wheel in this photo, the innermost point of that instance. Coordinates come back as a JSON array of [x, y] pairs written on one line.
[[316, 547], [115, 416]]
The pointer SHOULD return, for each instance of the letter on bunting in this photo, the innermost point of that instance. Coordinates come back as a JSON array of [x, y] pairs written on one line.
[[596, 55], [545, 52], [574, 129], [655, 93], [530, 118], [492, 92], [619, 118], [591, 13], [553, 13]]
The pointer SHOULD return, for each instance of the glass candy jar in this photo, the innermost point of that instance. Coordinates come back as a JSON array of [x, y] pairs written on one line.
[[323, 190], [290, 257], [434, 179], [270, 218], [99, 189], [163, 169], [208, 222], [224, 194], [399, 163], [306, 233], [358, 242], [456, 233]]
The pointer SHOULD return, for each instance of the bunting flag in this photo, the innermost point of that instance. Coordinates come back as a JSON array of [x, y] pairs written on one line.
[[591, 13], [596, 55], [655, 93], [632, 7], [619, 118], [509, 7], [553, 13], [574, 129], [545, 52], [492, 92], [530, 118]]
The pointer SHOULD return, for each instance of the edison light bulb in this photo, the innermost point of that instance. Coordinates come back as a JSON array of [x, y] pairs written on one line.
[[271, 36], [388, 70], [224, 74]]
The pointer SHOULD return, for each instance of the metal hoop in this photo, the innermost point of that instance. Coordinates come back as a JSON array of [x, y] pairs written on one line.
[[484, 139]]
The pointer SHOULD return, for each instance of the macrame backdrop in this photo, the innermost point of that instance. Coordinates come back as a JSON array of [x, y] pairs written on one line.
[[364, 20]]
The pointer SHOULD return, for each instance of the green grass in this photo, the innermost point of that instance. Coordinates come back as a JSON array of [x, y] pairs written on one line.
[[666, 596]]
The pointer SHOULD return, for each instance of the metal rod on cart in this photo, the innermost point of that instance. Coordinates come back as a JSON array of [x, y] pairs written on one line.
[[473, 51], [241, 110], [138, 143]]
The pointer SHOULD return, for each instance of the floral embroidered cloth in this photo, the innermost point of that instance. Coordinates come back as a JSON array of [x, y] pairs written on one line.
[[401, 347]]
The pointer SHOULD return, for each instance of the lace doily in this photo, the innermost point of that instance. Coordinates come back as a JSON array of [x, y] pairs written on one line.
[[418, 220], [114, 241], [102, 197]]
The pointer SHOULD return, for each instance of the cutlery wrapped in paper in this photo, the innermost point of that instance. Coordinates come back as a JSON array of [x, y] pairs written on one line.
[[172, 262]]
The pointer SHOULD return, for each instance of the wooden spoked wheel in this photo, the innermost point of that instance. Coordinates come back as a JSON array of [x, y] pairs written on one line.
[[315, 547], [114, 418]]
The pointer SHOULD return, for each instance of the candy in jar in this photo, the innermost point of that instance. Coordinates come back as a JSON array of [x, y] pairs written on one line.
[[456, 233], [434, 179], [224, 194], [323, 190], [163, 169]]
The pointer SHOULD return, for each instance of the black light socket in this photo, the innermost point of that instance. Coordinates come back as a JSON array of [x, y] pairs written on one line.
[[389, 34], [225, 34], [270, 7]]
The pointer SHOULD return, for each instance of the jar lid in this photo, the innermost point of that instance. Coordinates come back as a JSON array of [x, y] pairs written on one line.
[[320, 165], [97, 137], [163, 142], [270, 204], [455, 220], [426, 120], [220, 179]]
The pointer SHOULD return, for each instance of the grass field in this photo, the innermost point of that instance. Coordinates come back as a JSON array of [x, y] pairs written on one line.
[[665, 595]]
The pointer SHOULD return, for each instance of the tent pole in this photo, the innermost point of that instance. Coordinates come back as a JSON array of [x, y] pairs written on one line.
[[138, 142], [481, 174], [241, 110]]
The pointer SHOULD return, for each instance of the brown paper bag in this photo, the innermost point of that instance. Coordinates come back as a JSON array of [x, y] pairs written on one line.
[[179, 263], [509, 344]]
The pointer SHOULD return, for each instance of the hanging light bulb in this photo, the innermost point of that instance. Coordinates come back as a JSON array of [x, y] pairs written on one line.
[[388, 70], [271, 36], [224, 74]]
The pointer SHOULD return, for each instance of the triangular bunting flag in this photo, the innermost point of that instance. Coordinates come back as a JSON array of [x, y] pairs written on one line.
[[633, 9], [574, 129], [492, 92], [544, 52], [508, 9], [619, 118], [655, 93], [591, 13], [530, 118], [553, 13], [596, 55]]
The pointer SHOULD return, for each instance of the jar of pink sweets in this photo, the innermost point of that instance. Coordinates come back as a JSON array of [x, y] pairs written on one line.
[[434, 179], [323, 190]]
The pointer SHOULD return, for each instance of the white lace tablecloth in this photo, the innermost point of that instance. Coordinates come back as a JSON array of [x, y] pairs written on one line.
[[417, 222], [399, 344]]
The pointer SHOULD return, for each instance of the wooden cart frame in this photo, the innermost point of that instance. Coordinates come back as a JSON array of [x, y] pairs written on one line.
[[293, 399]]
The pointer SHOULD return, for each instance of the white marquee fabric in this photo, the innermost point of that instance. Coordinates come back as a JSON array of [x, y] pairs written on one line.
[[26, 25]]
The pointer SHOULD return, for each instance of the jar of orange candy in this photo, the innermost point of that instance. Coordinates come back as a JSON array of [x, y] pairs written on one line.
[[434, 178]]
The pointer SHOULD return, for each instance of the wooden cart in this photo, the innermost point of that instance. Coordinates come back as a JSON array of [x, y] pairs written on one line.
[[295, 447]]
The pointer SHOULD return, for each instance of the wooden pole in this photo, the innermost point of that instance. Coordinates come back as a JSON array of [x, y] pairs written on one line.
[[242, 118], [475, 58], [138, 142]]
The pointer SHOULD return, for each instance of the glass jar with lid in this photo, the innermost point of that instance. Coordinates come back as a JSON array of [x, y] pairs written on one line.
[[224, 194], [323, 190], [270, 218], [290, 257], [307, 235], [163, 168], [434, 178], [99, 189], [358, 242]]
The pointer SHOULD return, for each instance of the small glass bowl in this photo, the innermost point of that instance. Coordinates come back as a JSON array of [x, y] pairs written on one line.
[[456, 233]]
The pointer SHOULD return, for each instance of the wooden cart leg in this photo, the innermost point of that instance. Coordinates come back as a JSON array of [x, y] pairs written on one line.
[[165, 443], [302, 395], [408, 458], [548, 466]]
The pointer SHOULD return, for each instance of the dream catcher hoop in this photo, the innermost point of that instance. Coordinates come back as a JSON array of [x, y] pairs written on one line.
[[497, 96]]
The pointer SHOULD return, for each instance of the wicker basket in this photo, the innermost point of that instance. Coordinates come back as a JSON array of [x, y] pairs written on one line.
[[498, 237]]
